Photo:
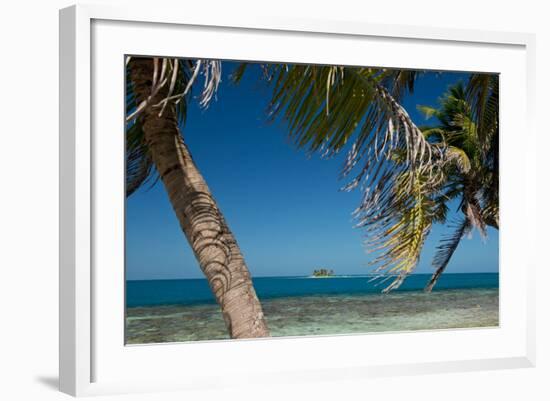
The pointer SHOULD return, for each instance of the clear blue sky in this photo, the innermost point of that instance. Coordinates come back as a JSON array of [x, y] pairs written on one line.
[[285, 210]]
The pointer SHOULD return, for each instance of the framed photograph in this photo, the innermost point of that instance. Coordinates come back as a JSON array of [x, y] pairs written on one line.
[[290, 200]]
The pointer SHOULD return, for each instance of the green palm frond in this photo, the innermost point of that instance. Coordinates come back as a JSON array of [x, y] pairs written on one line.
[[398, 240], [428, 111], [238, 74], [326, 105], [459, 158], [330, 107], [483, 93], [434, 135], [490, 214], [483, 90]]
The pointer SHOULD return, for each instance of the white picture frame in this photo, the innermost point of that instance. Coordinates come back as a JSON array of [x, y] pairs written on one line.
[[93, 360]]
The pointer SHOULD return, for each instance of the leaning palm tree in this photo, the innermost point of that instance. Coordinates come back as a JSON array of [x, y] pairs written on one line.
[[474, 177], [158, 90], [467, 174]]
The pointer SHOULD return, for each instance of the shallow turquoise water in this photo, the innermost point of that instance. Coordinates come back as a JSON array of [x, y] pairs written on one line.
[[323, 314], [197, 291]]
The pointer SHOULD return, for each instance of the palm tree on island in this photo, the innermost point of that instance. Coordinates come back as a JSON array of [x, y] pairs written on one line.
[[329, 109]]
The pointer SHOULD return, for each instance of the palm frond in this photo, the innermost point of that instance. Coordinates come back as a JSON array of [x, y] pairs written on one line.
[[139, 165], [329, 107], [238, 74], [483, 93], [170, 76], [174, 78], [428, 111], [212, 78], [474, 214], [459, 158], [400, 82], [490, 215], [398, 239]]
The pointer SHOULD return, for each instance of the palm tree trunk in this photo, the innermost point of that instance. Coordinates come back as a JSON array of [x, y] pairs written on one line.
[[200, 218], [433, 280]]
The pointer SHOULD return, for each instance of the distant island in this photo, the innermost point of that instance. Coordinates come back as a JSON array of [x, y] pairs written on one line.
[[323, 273]]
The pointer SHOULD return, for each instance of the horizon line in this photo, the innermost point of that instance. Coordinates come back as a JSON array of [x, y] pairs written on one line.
[[309, 276]]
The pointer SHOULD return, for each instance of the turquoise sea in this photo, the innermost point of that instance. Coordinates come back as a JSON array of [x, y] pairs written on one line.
[[184, 310]]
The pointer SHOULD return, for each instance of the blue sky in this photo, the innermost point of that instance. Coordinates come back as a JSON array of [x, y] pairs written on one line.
[[285, 209]]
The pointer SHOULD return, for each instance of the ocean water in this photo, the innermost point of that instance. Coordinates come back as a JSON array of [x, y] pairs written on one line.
[[184, 310]]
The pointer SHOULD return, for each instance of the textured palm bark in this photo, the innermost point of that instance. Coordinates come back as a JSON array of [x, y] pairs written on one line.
[[200, 218]]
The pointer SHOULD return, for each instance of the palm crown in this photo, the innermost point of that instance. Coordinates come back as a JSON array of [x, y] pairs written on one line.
[[473, 178]]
